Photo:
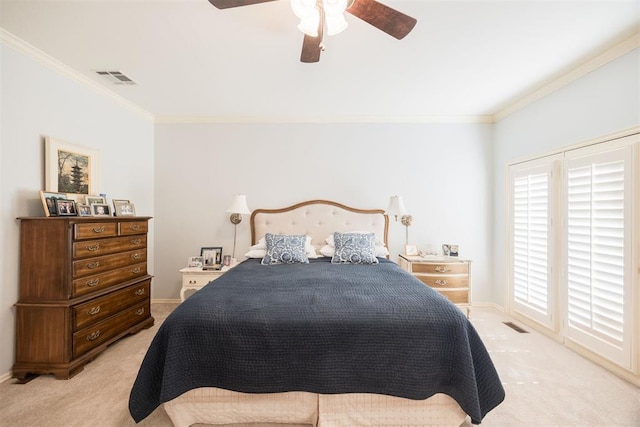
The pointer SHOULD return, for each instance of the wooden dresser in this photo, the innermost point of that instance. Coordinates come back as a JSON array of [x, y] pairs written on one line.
[[83, 285], [449, 276]]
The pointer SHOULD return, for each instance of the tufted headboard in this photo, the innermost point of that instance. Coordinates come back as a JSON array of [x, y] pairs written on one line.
[[318, 219]]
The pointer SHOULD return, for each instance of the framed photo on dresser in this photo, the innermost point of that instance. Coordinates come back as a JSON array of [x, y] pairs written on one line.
[[100, 209], [83, 209], [66, 207], [48, 199], [123, 208]]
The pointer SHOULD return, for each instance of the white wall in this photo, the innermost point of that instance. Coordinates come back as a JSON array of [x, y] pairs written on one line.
[[443, 171], [604, 101], [36, 102]]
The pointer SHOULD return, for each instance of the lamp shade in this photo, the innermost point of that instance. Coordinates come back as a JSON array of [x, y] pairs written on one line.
[[239, 205], [396, 206]]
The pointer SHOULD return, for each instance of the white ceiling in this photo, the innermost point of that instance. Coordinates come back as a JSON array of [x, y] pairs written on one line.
[[464, 59]]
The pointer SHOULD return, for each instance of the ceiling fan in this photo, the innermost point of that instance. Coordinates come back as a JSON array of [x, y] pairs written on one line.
[[318, 15]]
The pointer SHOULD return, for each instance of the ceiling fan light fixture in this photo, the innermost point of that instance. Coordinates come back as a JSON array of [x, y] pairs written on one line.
[[309, 12], [336, 24], [309, 24], [309, 15]]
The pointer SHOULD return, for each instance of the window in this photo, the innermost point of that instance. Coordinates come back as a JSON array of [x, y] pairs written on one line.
[[598, 251], [571, 246], [532, 237]]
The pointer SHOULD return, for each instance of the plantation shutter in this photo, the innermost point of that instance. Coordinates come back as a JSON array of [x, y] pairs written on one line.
[[531, 209], [598, 228]]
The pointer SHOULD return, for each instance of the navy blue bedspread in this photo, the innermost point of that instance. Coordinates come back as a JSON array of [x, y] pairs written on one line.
[[321, 328]]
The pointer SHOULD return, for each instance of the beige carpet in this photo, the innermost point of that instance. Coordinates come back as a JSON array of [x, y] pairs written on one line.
[[546, 385]]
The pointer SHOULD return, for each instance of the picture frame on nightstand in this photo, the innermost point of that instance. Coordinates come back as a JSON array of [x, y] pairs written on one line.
[[411, 250], [195, 261], [212, 256]]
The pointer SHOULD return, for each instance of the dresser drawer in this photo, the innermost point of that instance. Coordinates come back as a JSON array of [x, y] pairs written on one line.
[[103, 307], [444, 282], [457, 297], [97, 282], [92, 248], [93, 230], [443, 268], [91, 266], [133, 227], [93, 336]]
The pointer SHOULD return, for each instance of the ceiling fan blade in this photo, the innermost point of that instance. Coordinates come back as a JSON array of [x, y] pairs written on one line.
[[226, 4], [311, 48], [312, 45], [389, 20]]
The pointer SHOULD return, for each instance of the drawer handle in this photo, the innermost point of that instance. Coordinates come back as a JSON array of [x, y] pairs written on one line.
[[93, 282], [93, 265], [193, 282], [441, 269], [135, 270], [93, 248], [136, 241], [135, 256], [139, 291], [93, 335], [135, 227], [98, 229], [441, 282], [140, 312], [93, 310]]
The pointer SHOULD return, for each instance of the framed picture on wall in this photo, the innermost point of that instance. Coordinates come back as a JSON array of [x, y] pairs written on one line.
[[71, 168]]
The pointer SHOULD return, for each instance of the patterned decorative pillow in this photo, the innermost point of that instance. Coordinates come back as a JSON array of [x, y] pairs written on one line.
[[354, 248], [285, 249]]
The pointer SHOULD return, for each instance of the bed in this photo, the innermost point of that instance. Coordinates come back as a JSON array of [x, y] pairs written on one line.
[[317, 343]]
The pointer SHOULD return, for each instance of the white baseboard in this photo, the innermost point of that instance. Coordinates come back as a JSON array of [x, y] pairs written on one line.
[[488, 304], [165, 301], [5, 377]]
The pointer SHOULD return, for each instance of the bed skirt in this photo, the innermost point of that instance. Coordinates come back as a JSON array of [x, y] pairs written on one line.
[[209, 405]]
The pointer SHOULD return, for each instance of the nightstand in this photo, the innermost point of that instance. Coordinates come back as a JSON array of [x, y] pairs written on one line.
[[449, 276], [194, 278]]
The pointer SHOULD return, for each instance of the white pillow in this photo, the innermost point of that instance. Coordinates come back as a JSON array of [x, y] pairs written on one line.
[[260, 249], [329, 251], [330, 241], [381, 249], [255, 253]]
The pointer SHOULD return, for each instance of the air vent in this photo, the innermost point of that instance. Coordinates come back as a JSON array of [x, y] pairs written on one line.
[[516, 327], [115, 77]]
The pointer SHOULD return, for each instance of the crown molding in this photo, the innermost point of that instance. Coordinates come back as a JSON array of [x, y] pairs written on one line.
[[628, 44], [603, 58], [19, 45], [323, 119]]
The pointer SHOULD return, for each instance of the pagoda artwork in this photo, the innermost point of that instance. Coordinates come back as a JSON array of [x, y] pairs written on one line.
[[73, 172]]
